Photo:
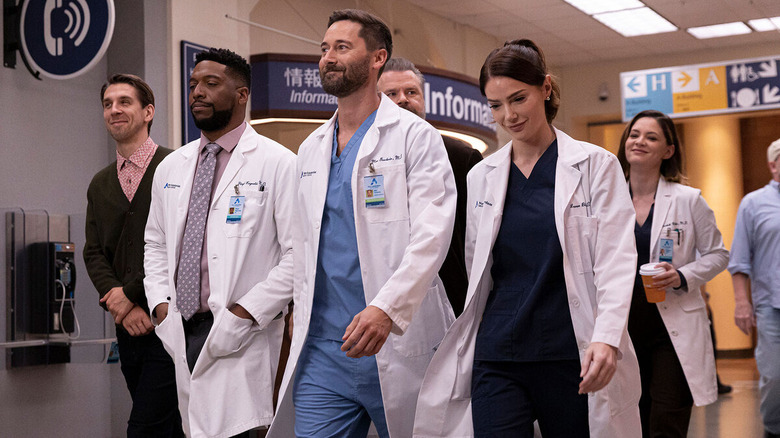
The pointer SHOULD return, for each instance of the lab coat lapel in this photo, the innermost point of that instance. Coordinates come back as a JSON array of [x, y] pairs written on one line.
[[236, 162], [663, 202], [492, 208], [568, 175]]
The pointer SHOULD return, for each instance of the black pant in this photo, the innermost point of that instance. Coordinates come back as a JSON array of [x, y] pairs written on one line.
[[666, 403], [151, 380], [506, 398], [196, 330]]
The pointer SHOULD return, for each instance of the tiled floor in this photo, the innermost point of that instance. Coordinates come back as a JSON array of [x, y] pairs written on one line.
[[734, 415]]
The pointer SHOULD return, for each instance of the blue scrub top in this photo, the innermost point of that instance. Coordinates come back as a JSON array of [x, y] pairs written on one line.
[[338, 285], [527, 316]]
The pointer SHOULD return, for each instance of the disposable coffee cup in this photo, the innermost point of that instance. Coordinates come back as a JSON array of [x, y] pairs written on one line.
[[648, 271]]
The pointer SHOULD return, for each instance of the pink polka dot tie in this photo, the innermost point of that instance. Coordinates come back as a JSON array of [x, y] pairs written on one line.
[[188, 283]]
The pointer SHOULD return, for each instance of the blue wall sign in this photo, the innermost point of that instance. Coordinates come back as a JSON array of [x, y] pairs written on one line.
[[289, 86], [189, 131], [65, 38]]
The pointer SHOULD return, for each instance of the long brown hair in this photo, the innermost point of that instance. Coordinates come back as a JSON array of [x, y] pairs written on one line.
[[672, 168]]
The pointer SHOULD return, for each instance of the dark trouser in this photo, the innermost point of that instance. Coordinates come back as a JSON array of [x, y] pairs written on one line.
[[151, 380], [506, 398], [666, 403], [196, 330]]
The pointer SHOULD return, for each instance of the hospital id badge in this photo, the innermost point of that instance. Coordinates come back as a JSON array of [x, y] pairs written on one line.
[[667, 250], [236, 209], [374, 187]]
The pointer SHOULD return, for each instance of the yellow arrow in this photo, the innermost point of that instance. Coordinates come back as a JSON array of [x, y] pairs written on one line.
[[685, 78]]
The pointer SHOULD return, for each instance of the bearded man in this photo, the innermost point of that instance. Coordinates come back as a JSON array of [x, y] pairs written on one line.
[[218, 256], [376, 204]]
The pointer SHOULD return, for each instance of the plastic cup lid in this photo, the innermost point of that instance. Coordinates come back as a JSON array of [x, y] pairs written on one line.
[[650, 269]]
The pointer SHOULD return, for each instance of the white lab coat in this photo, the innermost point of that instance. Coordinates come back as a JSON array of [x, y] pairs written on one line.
[[250, 263], [595, 219], [699, 255], [401, 248]]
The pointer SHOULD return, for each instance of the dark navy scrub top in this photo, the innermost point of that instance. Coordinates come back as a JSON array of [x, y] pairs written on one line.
[[527, 314], [645, 325]]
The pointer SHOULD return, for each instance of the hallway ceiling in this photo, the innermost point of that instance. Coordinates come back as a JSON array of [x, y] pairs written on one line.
[[569, 36]]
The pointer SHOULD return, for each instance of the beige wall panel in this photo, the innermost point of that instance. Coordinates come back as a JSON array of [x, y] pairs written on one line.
[[714, 165]]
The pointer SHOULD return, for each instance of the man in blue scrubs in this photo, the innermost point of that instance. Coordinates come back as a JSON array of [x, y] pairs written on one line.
[[376, 204]]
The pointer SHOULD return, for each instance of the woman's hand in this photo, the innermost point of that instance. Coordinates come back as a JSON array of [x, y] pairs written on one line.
[[670, 278], [598, 367]]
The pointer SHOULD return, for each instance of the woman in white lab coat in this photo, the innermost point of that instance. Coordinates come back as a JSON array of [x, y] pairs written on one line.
[[551, 258], [676, 229]]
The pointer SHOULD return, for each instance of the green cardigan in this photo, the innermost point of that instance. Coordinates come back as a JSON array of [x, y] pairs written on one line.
[[114, 248]]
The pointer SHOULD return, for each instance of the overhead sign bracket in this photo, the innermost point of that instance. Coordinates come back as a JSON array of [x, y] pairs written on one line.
[[11, 45]]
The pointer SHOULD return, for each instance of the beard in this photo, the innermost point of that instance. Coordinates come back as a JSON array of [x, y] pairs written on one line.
[[353, 77], [217, 121]]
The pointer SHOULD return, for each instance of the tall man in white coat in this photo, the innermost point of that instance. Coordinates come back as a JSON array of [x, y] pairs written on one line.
[[376, 204], [218, 256]]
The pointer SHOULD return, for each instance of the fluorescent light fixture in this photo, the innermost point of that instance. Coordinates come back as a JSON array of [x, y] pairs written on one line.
[[286, 120], [765, 24], [591, 7], [634, 22], [719, 30], [474, 142]]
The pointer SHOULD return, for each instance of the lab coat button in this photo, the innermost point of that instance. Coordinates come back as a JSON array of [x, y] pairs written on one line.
[[316, 225], [575, 302], [213, 257], [673, 333], [664, 307], [584, 345]]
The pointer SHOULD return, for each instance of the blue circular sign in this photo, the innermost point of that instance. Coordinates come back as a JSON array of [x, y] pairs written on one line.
[[64, 38]]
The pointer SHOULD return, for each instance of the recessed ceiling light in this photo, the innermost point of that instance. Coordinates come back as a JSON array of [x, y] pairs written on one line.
[[634, 22], [719, 30], [765, 24], [591, 7]]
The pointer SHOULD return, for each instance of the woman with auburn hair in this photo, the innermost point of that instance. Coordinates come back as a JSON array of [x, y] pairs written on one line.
[[551, 258], [676, 234]]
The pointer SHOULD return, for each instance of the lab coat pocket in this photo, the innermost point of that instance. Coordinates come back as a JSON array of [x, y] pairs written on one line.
[[581, 234], [253, 205], [229, 334], [164, 333], [396, 206], [427, 328], [689, 301]]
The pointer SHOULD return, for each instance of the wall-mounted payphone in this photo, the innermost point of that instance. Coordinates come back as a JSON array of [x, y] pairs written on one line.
[[52, 283]]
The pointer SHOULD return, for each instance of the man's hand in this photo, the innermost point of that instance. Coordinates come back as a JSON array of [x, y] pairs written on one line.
[[241, 312], [598, 367], [137, 322], [367, 332], [117, 303], [744, 317], [161, 312]]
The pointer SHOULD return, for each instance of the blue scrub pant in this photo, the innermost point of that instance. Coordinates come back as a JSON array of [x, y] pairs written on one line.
[[506, 398], [335, 395], [768, 362]]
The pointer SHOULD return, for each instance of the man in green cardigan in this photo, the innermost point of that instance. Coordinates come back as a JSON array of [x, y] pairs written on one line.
[[118, 201]]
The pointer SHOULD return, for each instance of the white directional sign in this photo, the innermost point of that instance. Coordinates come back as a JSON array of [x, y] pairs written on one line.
[[692, 90]]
